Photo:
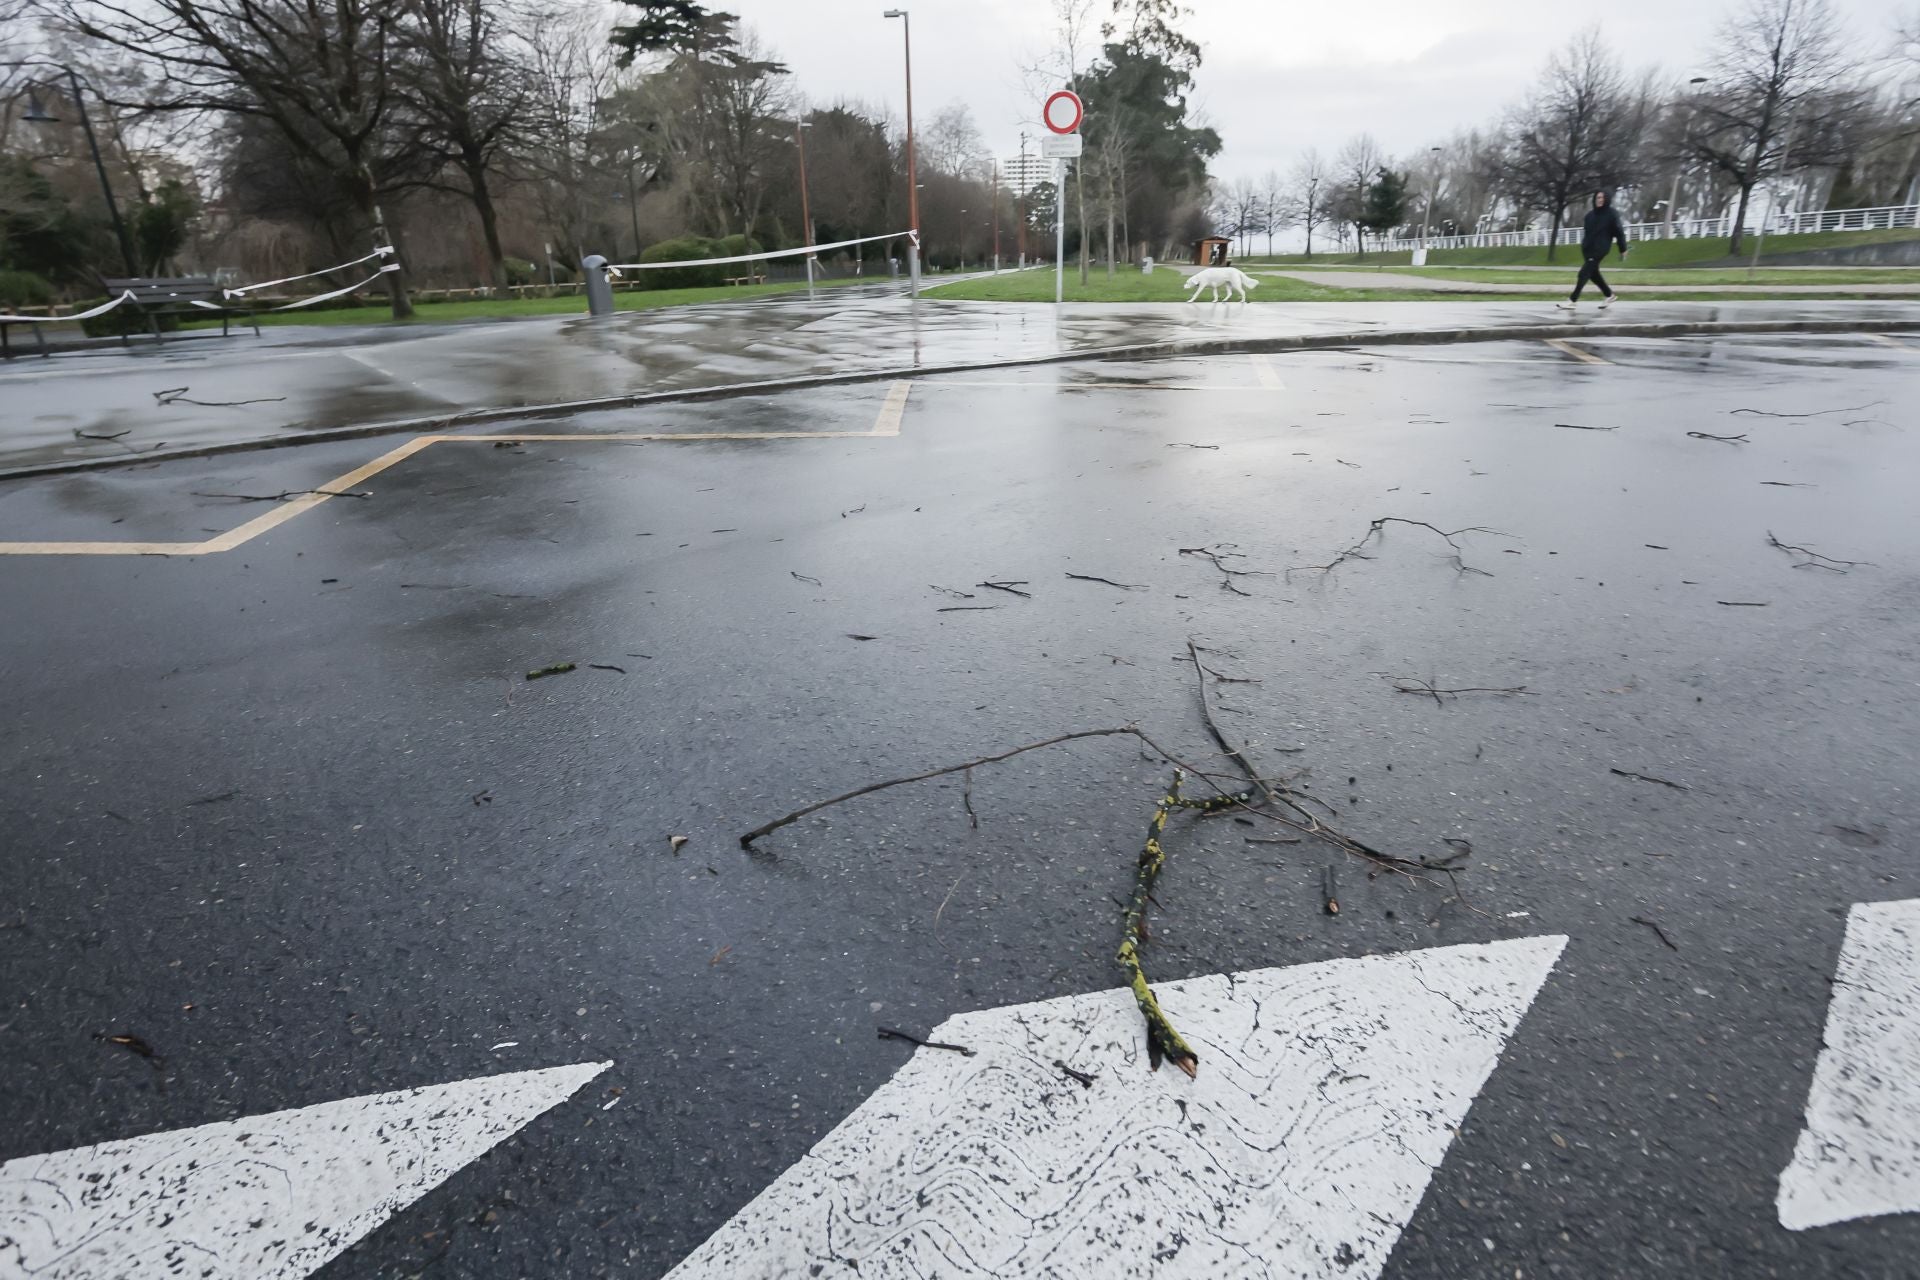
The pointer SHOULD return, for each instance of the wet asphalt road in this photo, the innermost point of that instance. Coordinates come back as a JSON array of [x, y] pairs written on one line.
[[292, 813]]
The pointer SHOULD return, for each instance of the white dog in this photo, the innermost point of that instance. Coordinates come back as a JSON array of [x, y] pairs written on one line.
[[1231, 279]]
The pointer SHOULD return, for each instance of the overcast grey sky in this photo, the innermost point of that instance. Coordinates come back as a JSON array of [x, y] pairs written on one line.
[[1278, 75]]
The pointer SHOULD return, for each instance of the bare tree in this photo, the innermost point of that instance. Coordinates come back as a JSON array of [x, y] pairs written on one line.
[[1310, 184], [321, 73], [1780, 76], [1275, 212], [1574, 132], [468, 94], [951, 143], [1359, 162], [573, 76]]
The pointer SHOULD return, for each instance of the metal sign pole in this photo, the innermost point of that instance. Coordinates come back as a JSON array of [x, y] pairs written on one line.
[[1059, 231]]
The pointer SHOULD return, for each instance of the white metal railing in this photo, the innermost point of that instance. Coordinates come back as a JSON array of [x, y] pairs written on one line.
[[1777, 224]]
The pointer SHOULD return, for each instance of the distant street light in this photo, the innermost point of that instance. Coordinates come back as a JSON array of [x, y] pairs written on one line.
[[913, 185], [1673, 196], [806, 212], [38, 113]]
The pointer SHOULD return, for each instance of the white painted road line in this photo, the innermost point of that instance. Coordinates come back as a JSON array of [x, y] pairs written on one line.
[[1584, 356], [269, 1197], [1268, 375], [1859, 1154], [1327, 1095]]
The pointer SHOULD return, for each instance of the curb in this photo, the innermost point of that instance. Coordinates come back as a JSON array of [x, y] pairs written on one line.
[[445, 423]]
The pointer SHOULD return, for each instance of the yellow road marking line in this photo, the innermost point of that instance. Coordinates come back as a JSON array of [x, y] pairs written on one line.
[[887, 425], [944, 384], [1264, 370], [1587, 357]]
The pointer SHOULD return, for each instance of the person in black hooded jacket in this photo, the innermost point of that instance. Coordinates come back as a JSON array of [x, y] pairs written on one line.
[[1597, 235]]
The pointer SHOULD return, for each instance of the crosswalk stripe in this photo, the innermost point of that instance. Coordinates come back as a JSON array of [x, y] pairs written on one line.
[[1327, 1095], [1859, 1154]]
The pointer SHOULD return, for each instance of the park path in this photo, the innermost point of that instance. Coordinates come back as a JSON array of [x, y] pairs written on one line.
[[1362, 279]]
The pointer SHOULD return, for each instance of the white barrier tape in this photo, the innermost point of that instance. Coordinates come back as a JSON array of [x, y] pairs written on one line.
[[757, 257], [383, 251], [100, 310], [337, 293]]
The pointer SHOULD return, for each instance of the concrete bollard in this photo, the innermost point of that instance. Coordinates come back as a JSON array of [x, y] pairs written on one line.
[[599, 292], [913, 269]]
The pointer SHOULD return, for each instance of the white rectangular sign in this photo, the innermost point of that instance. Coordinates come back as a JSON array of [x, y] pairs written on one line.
[[1065, 146]]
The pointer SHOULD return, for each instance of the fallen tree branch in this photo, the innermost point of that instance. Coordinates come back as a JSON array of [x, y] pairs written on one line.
[[1576, 426], [1124, 586], [1814, 560], [1708, 435], [1010, 586], [890, 1033], [1217, 555], [1377, 529], [1657, 930], [1162, 1039]]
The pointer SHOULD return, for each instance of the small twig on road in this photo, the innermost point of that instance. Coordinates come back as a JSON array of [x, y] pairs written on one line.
[[102, 435], [1011, 586], [557, 669], [1124, 586], [1814, 560], [1644, 777], [1086, 1081], [1745, 604], [1789, 484], [1658, 931], [1577, 426], [283, 494], [607, 666], [178, 395], [966, 799], [965, 608], [1818, 413], [1425, 688], [1182, 444], [801, 577], [746, 841], [889, 1033], [1708, 435], [957, 595]]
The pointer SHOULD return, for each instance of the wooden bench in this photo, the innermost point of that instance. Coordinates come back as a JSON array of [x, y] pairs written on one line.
[[750, 278], [6, 344], [179, 297]]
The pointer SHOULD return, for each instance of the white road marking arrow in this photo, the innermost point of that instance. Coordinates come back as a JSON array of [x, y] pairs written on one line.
[[267, 1197], [1859, 1154], [1327, 1095]]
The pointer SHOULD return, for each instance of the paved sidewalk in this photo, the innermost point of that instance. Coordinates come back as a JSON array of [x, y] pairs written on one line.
[[1362, 279], [233, 392]]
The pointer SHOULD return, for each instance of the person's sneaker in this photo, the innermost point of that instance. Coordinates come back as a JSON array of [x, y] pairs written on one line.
[[1606, 301], [1564, 306]]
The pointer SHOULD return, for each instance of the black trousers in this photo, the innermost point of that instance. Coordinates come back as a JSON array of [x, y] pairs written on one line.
[[1590, 270]]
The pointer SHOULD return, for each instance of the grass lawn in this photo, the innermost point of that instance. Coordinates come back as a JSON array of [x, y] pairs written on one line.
[[1667, 277], [499, 308], [1168, 285], [1653, 253]]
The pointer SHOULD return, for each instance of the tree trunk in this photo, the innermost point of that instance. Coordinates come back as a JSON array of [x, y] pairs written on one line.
[[1110, 223], [369, 204], [1080, 191], [1553, 235], [1360, 238], [1740, 217], [489, 223]]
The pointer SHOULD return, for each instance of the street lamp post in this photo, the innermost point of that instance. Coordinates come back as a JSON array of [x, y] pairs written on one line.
[[806, 211], [1020, 202], [1673, 195], [37, 115], [996, 216], [913, 189], [1433, 180]]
